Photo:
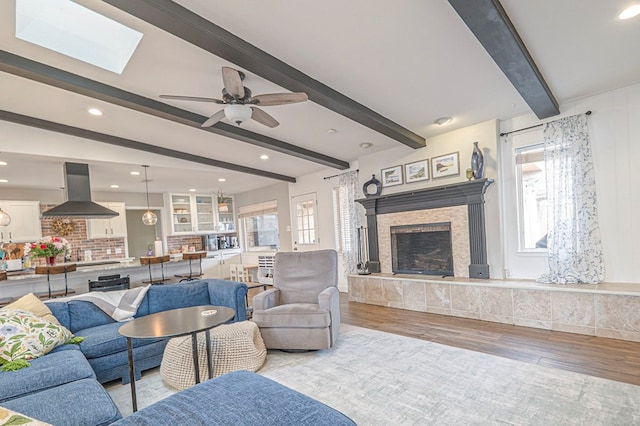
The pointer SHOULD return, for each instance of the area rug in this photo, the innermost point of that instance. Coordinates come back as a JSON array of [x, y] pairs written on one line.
[[379, 378]]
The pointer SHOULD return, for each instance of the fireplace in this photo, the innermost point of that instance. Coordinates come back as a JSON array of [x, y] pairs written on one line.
[[422, 249], [432, 202]]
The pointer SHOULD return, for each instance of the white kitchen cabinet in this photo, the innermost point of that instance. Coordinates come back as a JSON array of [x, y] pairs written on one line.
[[191, 214], [228, 257], [25, 223], [116, 227], [216, 264]]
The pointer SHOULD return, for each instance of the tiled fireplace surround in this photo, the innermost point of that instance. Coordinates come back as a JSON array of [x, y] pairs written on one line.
[[605, 310]]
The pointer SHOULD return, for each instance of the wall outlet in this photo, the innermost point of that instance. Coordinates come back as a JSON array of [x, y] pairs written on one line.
[[108, 251], [507, 273], [118, 250]]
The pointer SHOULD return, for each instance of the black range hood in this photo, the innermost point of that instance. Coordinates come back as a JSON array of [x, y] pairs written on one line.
[[78, 193]]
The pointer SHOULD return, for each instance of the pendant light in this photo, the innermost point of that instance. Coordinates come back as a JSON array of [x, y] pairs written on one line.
[[149, 218], [5, 219]]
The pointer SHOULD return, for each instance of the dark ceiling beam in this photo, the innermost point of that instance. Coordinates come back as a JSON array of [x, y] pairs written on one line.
[[23, 67], [181, 22], [491, 25], [139, 146]]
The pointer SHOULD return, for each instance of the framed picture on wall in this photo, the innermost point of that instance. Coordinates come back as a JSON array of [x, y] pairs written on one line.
[[445, 165], [392, 176], [416, 171]]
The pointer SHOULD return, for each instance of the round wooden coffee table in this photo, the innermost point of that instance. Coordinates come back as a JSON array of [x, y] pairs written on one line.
[[174, 323]]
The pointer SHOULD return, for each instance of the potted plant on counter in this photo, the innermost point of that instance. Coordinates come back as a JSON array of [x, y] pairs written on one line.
[[47, 247]]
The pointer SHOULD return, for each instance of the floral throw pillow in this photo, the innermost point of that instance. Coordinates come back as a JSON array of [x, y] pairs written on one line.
[[9, 417], [26, 336]]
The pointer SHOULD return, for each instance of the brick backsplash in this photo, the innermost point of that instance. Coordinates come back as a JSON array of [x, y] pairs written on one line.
[[175, 242], [79, 241]]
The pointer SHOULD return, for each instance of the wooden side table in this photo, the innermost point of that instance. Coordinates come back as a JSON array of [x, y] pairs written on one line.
[[197, 255], [63, 268], [154, 260]]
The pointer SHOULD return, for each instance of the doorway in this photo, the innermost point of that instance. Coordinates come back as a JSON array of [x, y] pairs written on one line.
[[139, 235]]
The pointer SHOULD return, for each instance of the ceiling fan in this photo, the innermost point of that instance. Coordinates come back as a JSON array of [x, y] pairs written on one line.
[[240, 102]]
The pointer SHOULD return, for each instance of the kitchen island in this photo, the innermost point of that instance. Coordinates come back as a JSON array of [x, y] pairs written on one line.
[[19, 283]]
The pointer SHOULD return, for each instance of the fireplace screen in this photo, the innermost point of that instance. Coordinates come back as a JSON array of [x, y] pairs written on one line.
[[422, 249]]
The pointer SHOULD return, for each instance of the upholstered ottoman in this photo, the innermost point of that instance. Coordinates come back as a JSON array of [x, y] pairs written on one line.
[[239, 398], [237, 346]]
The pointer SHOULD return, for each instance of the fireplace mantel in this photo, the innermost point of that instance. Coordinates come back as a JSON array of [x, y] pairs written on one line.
[[469, 193]]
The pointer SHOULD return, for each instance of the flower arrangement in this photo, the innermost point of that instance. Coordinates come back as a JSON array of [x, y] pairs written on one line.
[[47, 247]]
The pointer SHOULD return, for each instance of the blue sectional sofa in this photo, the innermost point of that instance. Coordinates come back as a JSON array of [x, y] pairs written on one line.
[[64, 386]]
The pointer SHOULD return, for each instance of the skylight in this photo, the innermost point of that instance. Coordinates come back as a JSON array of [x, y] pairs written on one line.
[[74, 30]]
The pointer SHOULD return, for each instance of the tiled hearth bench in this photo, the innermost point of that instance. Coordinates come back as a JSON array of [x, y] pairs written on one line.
[[605, 310]]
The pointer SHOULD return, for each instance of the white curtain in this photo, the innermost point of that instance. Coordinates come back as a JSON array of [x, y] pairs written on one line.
[[350, 218], [574, 245]]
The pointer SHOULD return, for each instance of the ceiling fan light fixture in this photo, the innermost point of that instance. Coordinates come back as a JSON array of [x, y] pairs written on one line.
[[237, 113]]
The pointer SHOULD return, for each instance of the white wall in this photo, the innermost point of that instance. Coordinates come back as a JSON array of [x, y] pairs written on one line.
[[615, 137], [456, 141]]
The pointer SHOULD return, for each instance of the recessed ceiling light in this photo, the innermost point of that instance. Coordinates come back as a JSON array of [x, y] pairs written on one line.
[[115, 186], [192, 190], [365, 145], [4, 181], [630, 12], [264, 157], [222, 180], [332, 131], [3, 163], [443, 121], [135, 173], [95, 111]]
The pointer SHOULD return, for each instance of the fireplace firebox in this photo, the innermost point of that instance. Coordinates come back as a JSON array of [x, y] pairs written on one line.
[[422, 249]]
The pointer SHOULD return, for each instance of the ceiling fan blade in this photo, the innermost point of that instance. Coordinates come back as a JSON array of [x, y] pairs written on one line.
[[214, 119], [271, 99], [192, 98], [232, 82], [263, 118]]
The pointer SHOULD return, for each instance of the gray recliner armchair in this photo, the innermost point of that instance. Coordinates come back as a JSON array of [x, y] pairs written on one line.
[[302, 311]]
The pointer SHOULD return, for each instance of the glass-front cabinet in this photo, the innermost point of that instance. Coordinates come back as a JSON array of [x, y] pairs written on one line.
[[226, 221], [205, 218], [181, 214], [200, 214]]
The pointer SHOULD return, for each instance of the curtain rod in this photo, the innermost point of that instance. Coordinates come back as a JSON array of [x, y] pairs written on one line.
[[339, 174], [531, 127]]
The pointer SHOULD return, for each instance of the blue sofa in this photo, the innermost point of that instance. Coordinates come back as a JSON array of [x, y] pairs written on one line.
[[64, 386]]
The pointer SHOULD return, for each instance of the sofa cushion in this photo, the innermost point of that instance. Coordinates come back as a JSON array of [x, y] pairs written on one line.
[[24, 335], [60, 310], [46, 372], [224, 401], [82, 402], [294, 315], [105, 340], [167, 297], [30, 302], [85, 315]]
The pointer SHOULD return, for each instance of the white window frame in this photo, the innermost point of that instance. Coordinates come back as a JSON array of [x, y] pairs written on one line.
[[254, 210], [520, 199]]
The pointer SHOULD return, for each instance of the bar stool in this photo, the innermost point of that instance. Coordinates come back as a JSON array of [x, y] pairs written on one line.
[[54, 270], [154, 260], [190, 257]]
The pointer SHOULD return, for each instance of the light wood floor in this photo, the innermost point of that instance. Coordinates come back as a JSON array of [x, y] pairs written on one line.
[[608, 358]]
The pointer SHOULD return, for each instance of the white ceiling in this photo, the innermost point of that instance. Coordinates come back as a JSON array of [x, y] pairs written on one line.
[[411, 62]]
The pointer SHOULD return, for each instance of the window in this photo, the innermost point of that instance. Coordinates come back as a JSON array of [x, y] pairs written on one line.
[[260, 226], [532, 197], [305, 219], [342, 223]]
